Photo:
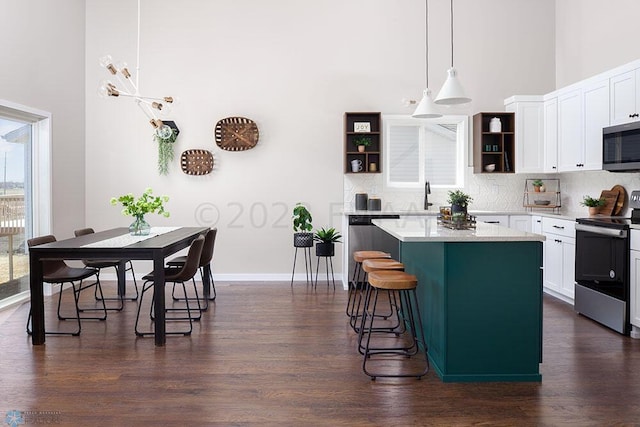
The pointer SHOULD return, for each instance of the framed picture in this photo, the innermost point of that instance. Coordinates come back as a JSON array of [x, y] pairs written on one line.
[[362, 127]]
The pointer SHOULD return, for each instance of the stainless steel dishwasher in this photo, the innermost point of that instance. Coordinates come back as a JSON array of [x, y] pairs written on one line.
[[364, 236]]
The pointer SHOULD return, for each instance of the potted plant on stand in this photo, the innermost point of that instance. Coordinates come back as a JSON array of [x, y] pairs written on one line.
[[593, 204], [459, 201], [362, 142], [302, 237], [326, 241], [538, 186]]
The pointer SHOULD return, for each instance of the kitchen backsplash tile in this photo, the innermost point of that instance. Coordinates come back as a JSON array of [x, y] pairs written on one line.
[[490, 191]]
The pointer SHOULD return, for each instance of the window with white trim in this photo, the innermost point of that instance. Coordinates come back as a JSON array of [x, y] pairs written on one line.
[[419, 150]]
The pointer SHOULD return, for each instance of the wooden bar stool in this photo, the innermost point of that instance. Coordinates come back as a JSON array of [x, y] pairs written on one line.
[[405, 345], [354, 284], [369, 265]]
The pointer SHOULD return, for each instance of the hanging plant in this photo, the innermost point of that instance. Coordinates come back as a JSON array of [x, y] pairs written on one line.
[[165, 136]]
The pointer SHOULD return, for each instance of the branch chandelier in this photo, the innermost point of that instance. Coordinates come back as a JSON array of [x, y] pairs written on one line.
[[127, 87]]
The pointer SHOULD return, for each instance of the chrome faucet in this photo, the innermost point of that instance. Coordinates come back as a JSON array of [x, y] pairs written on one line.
[[427, 191]]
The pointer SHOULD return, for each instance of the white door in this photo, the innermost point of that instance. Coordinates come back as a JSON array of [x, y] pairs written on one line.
[[596, 116], [624, 95]]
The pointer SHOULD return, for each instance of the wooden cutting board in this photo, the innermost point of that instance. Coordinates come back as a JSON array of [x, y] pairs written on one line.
[[610, 198]]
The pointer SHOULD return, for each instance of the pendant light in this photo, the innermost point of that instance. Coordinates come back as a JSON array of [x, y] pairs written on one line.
[[426, 108], [452, 91]]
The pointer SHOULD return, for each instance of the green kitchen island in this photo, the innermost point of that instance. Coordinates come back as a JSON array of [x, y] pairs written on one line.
[[480, 297]]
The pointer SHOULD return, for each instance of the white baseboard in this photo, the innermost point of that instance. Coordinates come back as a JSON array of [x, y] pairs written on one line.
[[277, 277]]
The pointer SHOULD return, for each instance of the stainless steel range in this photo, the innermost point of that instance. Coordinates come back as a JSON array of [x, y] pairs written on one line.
[[602, 267]]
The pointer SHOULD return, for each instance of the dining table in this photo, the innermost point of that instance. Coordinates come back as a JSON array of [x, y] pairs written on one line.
[[114, 244]]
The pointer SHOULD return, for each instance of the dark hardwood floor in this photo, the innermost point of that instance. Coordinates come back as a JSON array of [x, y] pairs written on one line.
[[265, 354]]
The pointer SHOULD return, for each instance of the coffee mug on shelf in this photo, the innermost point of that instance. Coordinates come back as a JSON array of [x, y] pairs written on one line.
[[356, 165]]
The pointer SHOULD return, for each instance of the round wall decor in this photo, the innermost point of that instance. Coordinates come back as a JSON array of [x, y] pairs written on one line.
[[236, 134], [196, 162]]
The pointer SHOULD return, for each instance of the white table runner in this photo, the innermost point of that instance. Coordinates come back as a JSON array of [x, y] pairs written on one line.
[[127, 239]]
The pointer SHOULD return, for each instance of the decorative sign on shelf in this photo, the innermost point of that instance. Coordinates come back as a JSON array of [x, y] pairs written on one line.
[[196, 162], [362, 127], [236, 134]]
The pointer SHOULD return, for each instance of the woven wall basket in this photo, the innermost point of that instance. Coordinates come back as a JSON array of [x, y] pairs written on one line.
[[236, 134], [196, 162]]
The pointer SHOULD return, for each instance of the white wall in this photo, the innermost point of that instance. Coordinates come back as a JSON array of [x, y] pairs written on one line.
[[593, 36], [42, 57], [295, 68]]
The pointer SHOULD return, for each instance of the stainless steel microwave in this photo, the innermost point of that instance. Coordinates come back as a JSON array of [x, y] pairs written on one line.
[[621, 147]]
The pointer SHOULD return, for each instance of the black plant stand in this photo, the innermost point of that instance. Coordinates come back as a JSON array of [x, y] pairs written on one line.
[[325, 250], [328, 262], [303, 241]]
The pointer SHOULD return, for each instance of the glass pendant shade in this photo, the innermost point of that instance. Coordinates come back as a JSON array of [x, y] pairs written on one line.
[[426, 108], [452, 92]]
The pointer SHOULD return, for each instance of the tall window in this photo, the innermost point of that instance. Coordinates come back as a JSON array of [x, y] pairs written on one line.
[[420, 150], [24, 192]]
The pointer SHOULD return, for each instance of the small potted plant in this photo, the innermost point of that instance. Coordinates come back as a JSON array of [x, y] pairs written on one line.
[[459, 201], [593, 204], [326, 238], [302, 237], [362, 142], [538, 186]]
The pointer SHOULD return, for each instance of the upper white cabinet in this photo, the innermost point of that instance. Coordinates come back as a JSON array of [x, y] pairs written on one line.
[[570, 131], [625, 97], [595, 99], [582, 112], [529, 132], [550, 162]]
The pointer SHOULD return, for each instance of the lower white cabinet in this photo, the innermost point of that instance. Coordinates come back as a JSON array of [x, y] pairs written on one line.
[[634, 263], [520, 222], [536, 224], [502, 220], [559, 258]]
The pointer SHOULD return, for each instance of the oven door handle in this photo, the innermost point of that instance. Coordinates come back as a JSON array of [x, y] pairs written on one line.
[[622, 234]]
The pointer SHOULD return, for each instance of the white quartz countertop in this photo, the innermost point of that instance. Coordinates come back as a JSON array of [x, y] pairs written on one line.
[[571, 216], [426, 229]]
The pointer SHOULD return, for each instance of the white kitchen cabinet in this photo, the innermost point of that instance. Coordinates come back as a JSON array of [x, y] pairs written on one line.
[[529, 132], [595, 99], [550, 162], [536, 224], [520, 222], [502, 220], [570, 131], [559, 258], [625, 97], [634, 296]]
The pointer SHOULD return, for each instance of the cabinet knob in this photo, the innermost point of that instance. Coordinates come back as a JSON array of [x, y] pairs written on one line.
[[558, 226], [557, 241], [553, 167], [633, 115]]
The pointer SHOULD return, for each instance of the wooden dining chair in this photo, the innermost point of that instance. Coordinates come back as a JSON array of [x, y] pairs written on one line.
[[99, 265], [58, 272], [174, 275]]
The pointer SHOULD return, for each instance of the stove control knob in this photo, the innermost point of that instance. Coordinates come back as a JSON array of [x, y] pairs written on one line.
[[612, 274]]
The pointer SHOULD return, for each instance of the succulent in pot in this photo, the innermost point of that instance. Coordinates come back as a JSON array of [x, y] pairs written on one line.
[[326, 238], [538, 185]]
